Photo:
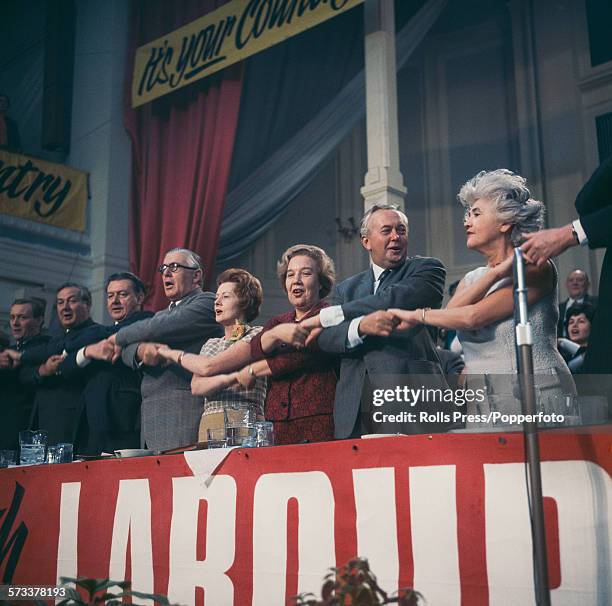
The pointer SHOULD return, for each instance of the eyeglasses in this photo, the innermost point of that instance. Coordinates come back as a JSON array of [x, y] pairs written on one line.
[[174, 267]]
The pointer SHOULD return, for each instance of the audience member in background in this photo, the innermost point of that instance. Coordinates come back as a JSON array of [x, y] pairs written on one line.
[[499, 209], [578, 328], [170, 414], [109, 417], [577, 284], [26, 319], [57, 398], [9, 132], [226, 402]]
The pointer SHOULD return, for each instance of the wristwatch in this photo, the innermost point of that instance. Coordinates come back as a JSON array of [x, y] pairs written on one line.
[[575, 234]]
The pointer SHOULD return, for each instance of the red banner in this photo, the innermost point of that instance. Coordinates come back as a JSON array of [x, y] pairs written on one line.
[[446, 514]]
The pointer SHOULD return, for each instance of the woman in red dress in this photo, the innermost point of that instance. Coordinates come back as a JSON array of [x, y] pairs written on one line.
[[302, 379]]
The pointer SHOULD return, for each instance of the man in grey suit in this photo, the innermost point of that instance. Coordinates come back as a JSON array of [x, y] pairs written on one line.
[[170, 414], [358, 327]]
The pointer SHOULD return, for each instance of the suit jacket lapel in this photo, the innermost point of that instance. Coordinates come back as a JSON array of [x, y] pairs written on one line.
[[366, 286]]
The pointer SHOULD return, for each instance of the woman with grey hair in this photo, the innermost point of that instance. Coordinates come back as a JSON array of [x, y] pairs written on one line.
[[499, 210]]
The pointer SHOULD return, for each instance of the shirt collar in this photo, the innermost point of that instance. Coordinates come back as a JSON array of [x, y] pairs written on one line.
[[377, 271]]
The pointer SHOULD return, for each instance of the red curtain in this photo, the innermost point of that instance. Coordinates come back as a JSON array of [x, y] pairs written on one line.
[[181, 153]]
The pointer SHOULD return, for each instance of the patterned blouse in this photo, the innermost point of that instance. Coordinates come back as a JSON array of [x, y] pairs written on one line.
[[234, 398]]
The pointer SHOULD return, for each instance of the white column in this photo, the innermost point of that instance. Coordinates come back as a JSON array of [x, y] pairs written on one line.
[[383, 181], [99, 143]]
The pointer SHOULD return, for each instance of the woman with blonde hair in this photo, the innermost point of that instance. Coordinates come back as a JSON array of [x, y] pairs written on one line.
[[226, 402]]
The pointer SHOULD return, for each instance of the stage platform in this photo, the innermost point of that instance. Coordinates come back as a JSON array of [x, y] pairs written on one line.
[[446, 514]]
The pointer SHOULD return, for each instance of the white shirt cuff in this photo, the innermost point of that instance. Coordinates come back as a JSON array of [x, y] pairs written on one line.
[[352, 336], [81, 360], [582, 237], [331, 316]]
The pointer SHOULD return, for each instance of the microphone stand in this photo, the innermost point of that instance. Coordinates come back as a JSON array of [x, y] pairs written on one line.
[[524, 344]]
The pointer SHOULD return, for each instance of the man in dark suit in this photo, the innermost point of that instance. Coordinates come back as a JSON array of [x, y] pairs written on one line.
[[109, 415], [170, 415], [358, 327], [26, 319], [577, 284], [592, 229], [57, 397]]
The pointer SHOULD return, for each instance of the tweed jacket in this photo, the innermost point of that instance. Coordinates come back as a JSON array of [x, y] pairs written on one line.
[[170, 415]]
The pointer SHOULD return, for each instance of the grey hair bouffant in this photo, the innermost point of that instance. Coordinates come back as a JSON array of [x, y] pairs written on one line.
[[511, 200]]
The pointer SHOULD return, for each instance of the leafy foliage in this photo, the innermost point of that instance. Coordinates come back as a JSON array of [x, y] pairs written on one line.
[[354, 584], [103, 591]]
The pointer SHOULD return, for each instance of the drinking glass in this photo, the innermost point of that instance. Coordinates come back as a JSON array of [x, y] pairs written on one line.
[[216, 438], [8, 457], [60, 453], [32, 447], [265, 433]]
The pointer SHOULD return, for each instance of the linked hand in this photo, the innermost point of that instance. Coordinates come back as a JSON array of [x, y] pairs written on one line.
[[245, 379], [378, 323], [168, 354], [504, 269], [5, 360], [311, 323], [291, 334], [102, 350], [10, 358], [149, 354], [405, 319], [312, 337], [51, 366]]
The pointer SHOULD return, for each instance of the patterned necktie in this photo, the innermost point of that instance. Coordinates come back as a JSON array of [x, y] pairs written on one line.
[[172, 305]]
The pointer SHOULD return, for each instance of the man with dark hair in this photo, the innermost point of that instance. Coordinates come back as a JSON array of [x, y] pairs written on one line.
[[57, 397], [109, 416], [170, 414], [26, 318]]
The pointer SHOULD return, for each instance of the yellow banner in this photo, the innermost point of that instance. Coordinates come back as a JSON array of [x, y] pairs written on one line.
[[42, 191], [229, 34]]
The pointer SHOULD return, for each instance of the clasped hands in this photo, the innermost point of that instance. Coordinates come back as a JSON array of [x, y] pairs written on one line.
[[10, 358], [107, 350], [382, 323], [297, 334]]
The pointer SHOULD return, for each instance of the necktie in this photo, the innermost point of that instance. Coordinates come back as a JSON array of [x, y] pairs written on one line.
[[383, 276], [172, 305]]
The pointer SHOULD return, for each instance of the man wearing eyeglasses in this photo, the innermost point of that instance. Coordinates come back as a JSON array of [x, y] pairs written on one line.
[[169, 413]]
